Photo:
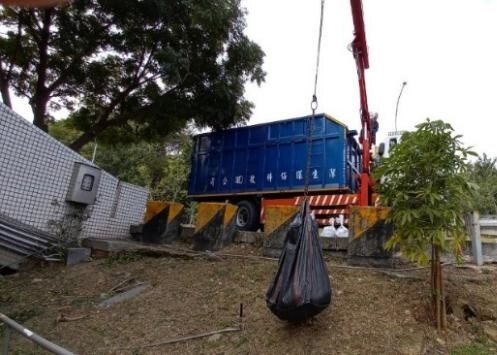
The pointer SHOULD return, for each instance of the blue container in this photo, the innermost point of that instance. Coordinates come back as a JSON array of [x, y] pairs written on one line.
[[272, 157]]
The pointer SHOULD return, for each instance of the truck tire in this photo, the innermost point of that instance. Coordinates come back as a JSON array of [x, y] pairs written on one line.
[[247, 216]]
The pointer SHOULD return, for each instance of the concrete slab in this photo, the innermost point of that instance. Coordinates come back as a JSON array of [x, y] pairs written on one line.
[[125, 296], [77, 255], [334, 244], [108, 244], [115, 246], [255, 238], [10, 260]]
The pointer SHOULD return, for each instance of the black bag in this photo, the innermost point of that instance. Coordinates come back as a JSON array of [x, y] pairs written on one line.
[[301, 288]]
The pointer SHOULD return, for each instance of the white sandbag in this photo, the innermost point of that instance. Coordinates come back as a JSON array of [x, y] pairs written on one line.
[[329, 232], [342, 232]]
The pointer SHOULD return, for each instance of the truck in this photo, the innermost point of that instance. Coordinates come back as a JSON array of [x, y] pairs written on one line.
[[262, 164], [385, 147], [285, 162]]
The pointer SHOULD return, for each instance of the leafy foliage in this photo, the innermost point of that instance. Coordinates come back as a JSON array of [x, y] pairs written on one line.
[[65, 132], [163, 167], [484, 173], [474, 348], [141, 67], [423, 182], [121, 258]]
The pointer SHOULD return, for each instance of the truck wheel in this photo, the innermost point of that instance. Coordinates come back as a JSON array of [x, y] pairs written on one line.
[[247, 216]]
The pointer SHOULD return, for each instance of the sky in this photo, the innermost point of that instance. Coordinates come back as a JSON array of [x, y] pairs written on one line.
[[446, 51]]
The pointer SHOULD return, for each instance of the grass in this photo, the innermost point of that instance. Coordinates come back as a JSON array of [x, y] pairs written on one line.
[[480, 346], [122, 258], [478, 331], [7, 300], [472, 349], [240, 341], [22, 316]]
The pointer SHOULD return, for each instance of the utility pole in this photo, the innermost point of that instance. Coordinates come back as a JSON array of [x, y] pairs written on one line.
[[94, 152], [398, 100]]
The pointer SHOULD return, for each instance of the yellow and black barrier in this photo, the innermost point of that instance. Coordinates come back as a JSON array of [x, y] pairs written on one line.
[[368, 232], [215, 225], [161, 223], [277, 223]]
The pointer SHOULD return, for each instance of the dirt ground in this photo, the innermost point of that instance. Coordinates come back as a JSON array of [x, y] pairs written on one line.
[[372, 312]]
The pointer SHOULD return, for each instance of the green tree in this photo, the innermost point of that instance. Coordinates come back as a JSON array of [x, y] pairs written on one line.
[[169, 181], [65, 132], [162, 166], [423, 182], [483, 172], [147, 67]]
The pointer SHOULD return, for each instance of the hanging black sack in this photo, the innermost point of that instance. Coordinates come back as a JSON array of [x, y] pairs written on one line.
[[301, 287]]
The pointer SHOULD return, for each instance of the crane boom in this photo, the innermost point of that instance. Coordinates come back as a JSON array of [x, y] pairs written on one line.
[[367, 138]]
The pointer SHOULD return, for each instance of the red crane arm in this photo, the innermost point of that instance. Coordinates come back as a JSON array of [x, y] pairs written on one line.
[[367, 137]]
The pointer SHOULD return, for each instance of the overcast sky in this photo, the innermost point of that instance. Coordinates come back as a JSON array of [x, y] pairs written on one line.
[[446, 50]]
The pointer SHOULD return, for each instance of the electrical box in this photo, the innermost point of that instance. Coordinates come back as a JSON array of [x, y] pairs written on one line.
[[84, 184]]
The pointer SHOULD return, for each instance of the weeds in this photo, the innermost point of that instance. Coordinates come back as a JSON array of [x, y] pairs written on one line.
[[472, 349], [122, 258], [478, 332], [24, 315], [7, 300]]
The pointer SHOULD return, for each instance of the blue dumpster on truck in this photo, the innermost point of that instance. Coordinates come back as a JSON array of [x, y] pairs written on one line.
[[244, 164]]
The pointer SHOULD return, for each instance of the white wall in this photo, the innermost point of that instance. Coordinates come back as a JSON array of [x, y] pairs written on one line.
[[35, 171]]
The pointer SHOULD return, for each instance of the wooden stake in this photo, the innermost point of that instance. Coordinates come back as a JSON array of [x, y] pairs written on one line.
[[177, 340], [442, 296], [437, 290]]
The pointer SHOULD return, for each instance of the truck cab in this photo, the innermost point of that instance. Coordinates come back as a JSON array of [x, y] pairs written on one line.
[[385, 147]]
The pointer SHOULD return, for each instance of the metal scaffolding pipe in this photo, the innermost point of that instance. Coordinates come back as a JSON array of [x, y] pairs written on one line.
[[35, 338]]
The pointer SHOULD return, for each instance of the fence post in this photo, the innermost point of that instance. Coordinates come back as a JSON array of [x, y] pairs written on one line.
[[476, 239]]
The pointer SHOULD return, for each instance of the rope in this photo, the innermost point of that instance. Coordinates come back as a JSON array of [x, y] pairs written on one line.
[[318, 52], [314, 106], [309, 148]]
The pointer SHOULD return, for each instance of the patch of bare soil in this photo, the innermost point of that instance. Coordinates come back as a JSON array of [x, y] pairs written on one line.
[[371, 312]]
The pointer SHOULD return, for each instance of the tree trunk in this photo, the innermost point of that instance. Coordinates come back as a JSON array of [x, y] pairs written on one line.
[[4, 89], [438, 294], [91, 134], [82, 140], [39, 114]]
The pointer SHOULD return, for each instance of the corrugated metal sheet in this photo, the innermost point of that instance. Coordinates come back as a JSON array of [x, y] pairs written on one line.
[[18, 241]]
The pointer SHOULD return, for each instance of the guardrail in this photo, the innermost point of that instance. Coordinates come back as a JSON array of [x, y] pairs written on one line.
[[488, 226], [10, 324], [484, 227]]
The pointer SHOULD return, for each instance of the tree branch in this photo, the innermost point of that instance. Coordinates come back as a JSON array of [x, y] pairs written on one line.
[[36, 23], [26, 19], [16, 50], [4, 87], [77, 60], [40, 97], [103, 121]]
